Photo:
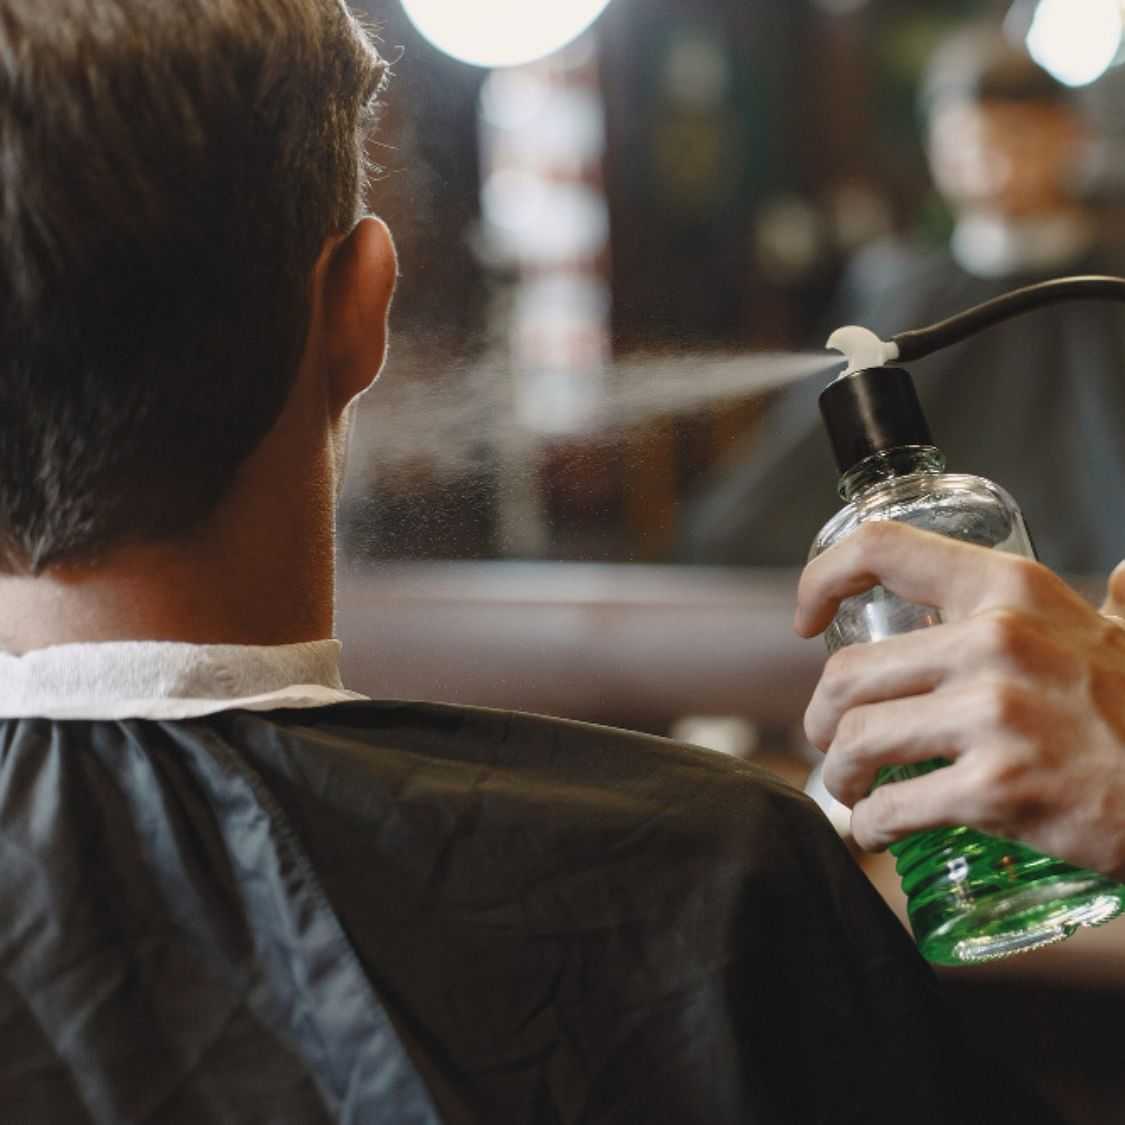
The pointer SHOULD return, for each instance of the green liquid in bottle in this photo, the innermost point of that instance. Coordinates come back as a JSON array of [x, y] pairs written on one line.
[[970, 897], [973, 897]]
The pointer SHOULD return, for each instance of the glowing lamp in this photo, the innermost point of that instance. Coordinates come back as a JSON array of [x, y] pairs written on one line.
[[1075, 42], [496, 33]]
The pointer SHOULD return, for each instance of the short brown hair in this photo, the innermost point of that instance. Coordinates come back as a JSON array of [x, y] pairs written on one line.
[[169, 172]]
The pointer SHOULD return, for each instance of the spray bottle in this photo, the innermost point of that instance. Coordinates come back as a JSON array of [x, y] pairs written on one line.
[[971, 897]]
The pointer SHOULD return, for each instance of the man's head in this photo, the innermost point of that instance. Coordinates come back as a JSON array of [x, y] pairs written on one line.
[[1003, 135], [170, 175]]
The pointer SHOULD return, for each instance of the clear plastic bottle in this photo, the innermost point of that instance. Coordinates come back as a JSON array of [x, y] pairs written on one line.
[[970, 897]]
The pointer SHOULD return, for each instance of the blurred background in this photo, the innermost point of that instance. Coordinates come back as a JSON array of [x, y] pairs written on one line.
[[694, 184], [593, 465]]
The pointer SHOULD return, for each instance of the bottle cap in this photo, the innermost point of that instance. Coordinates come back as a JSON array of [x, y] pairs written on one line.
[[871, 411]]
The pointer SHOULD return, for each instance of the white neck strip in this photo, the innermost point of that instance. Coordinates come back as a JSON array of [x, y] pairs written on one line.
[[161, 680]]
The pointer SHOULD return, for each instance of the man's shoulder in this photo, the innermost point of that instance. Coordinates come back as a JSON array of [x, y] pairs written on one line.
[[539, 822], [522, 798], [525, 758], [522, 884]]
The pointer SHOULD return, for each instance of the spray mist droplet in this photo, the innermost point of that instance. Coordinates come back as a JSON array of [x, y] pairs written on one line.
[[452, 414]]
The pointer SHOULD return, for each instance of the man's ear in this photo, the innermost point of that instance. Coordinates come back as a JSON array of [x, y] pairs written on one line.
[[356, 278]]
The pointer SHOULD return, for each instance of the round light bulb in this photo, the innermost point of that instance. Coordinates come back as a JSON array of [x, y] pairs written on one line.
[[495, 33], [1075, 40]]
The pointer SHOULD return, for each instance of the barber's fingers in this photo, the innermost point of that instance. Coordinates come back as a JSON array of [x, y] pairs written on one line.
[[902, 732], [868, 673], [901, 808], [919, 566], [992, 644]]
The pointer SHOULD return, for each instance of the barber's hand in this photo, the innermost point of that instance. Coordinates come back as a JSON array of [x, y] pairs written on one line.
[[1022, 688]]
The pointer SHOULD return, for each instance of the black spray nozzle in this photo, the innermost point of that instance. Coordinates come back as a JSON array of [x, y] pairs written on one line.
[[875, 408], [872, 411]]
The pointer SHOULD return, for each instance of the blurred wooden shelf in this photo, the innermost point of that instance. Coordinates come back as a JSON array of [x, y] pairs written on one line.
[[615, 643]]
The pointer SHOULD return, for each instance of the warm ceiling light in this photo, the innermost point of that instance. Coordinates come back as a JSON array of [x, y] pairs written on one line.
[[496, 33], [1075, 41]]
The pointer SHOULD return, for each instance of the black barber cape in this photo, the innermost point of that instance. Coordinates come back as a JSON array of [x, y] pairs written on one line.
[[402, 913]]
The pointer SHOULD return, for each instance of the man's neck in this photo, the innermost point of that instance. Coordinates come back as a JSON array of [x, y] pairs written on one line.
[[141, 597], [260, 573]]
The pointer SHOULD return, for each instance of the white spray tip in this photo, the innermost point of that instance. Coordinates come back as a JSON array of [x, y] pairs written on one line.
[[862, 348]]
